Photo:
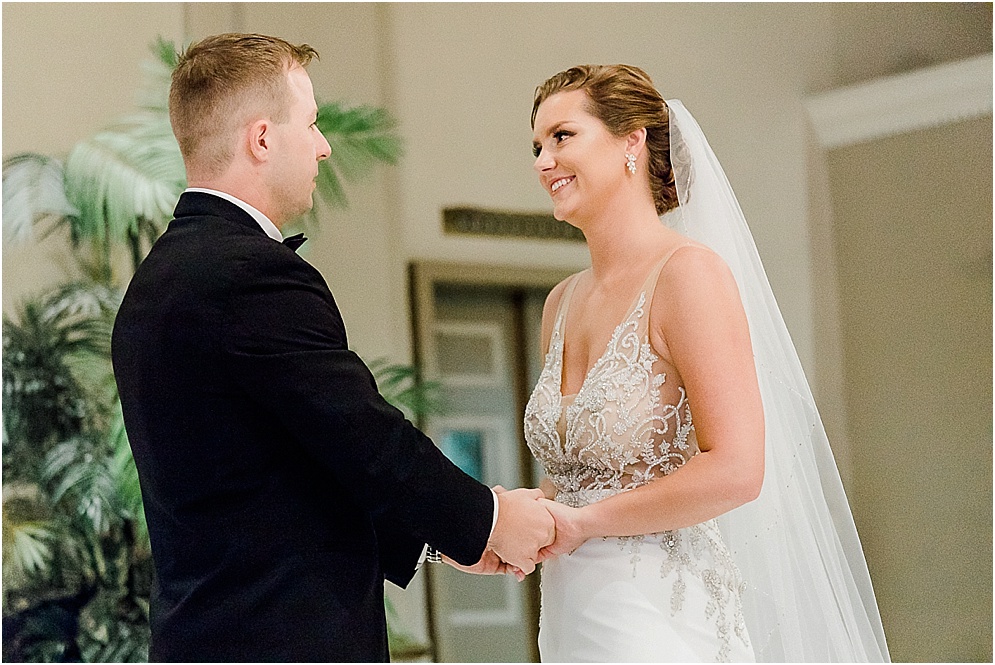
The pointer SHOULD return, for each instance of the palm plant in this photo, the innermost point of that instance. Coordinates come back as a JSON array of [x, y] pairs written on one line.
[[76, 555], [77, 564]]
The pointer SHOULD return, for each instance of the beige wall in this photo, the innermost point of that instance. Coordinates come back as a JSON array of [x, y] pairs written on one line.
[[72, 69], [873, 39], [460, 78], [461, 87], [914, 252]]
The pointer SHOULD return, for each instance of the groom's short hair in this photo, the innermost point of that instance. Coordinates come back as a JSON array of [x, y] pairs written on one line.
[[222, 83]]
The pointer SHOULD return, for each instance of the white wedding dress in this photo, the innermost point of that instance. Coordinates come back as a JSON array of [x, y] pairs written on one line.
[[781, 578], [672, 596]]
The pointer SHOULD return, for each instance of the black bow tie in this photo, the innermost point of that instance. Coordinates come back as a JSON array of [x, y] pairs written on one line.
[[293, 242]]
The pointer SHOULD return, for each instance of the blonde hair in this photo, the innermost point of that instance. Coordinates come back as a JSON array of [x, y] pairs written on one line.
[[222, 82], [624, 99]]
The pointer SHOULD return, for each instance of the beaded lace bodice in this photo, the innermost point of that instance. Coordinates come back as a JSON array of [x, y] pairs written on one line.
[[626, 425], [629, 423]]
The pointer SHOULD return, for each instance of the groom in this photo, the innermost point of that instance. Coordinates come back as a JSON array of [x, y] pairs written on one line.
[[280, 488]]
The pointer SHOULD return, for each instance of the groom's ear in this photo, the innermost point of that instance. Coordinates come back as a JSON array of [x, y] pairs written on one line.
[[257, 139]]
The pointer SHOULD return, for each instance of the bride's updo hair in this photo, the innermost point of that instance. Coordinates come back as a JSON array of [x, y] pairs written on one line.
[[624, 99]]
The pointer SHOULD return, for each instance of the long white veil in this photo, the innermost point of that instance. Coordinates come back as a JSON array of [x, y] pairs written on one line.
[[809, 595]]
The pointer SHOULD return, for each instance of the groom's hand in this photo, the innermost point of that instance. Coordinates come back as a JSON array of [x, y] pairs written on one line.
[[524, 527], [489, 564]]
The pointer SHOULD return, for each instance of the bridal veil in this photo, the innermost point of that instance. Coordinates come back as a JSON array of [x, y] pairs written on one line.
[[809, 595]]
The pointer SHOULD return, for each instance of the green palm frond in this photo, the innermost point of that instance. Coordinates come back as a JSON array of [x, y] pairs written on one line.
[[34, 192], [75, 318], [125, 474], [81, 476], [27, 533], [399, 385], [114, 641], [45, 344], [42, 397], [29, 552], [81, 300], [114, 629], [154, 95], [360, 137], [123, 177]]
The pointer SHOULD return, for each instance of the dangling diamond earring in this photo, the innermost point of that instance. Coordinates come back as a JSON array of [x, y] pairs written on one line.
[[630, 163]]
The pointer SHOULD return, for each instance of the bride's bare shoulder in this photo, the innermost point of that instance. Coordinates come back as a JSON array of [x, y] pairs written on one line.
[[694, 254], [694, 271]]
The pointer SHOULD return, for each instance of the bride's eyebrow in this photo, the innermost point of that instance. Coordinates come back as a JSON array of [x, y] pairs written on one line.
[[557, 127], [552, 130]]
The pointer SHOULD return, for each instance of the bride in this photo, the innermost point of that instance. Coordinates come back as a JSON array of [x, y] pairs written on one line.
[[722, 535]]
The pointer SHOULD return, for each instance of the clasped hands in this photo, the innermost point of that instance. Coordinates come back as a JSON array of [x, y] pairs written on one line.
[[530, 529]]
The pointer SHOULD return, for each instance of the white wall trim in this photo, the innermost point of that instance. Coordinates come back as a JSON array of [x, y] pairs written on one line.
[[906, 102]]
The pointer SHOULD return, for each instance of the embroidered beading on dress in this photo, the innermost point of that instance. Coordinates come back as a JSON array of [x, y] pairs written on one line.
[[627, 426]]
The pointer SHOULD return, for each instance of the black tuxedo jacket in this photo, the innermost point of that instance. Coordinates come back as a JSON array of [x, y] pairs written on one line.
[[280, 489]]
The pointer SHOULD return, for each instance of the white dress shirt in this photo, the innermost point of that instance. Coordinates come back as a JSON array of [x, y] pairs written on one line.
[[264, 222]]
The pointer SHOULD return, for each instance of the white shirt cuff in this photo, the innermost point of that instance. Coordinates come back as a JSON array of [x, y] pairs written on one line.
[[496, 508], [424, 550], [421, 559]]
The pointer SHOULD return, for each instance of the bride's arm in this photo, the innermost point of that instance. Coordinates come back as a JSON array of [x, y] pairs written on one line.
[[697, 311]]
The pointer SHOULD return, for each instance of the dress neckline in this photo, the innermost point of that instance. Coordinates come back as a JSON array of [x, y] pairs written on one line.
[[649, 285]]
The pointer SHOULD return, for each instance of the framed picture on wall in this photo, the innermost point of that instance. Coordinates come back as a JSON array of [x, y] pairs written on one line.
[[473, 353], [480, 445], [465, 447]]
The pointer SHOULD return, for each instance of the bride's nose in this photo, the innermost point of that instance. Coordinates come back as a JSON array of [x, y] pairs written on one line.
[[543, 162]]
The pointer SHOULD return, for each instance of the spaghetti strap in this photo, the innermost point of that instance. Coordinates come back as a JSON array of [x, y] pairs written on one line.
[[568, 292], [561, 308], [649, 288]]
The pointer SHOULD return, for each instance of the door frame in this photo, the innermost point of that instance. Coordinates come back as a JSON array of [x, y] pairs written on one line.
[[423, 276]]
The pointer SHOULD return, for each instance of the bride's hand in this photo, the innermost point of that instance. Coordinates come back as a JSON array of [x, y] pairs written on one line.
[[489, 564], [571, 532]]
